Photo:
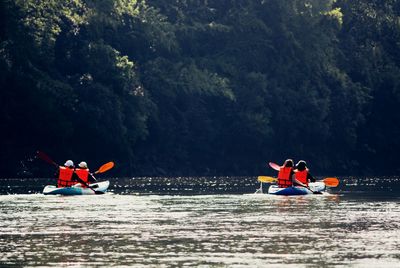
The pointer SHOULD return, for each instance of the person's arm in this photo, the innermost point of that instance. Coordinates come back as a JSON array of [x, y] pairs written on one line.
[[297, 182], [292, 177], [75, 177], [91, 178], [310, 178]]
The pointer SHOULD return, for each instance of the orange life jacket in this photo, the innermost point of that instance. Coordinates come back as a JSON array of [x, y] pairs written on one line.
[[301, 176], [83, 174], [284, 178], [65, 177]]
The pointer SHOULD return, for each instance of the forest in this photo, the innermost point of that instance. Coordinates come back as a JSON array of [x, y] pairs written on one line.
[[200, 87]]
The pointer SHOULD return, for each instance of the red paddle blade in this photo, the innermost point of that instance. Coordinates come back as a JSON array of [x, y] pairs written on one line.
[[105, 167], [331, 182], [46, 158], [274, 166]]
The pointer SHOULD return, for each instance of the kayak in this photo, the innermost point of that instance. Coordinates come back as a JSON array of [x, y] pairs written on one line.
[[318, 186], [77, 189]]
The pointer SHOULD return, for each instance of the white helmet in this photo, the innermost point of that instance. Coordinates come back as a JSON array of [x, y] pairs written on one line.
[[82, 164], [69, 163]]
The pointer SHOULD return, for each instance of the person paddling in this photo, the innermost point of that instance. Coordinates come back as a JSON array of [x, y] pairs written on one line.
[[82, 171], [285, 174], [65, 174], [302, 175]]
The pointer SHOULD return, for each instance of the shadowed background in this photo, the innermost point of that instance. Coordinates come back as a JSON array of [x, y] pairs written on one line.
[[200, 87]]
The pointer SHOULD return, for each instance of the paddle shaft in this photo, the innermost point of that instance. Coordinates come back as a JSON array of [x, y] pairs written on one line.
[[46, 158], [314, 192], [330, 182], [88, 186]]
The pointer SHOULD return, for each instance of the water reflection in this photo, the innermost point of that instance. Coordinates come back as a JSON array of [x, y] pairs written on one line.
[[337, 229], [388, 187], [196, 230]]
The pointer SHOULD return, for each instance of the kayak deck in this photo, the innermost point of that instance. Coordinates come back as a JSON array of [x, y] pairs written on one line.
[[318, 186], [77, 189]]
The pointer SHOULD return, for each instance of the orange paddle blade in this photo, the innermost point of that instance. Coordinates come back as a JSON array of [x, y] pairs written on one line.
[[331, 182], [105, 167]]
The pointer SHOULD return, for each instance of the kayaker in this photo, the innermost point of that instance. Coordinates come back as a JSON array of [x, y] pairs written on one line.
[[302, 175], [285, 174], [65, 174], [83, 173]]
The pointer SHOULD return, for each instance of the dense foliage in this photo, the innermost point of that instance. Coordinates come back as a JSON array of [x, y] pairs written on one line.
[[192, 87]]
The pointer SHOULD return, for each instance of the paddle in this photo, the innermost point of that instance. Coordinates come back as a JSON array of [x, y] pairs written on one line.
[[330, 182], [267, 179], [259, 190], [87, 185], [47, 159], [314, 192], [274, 166], [105, 167]]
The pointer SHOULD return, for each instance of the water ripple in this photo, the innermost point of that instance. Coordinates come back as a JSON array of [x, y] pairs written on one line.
[[340, 229]]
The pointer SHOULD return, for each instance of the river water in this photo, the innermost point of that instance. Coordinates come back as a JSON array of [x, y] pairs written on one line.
[[207, 222]]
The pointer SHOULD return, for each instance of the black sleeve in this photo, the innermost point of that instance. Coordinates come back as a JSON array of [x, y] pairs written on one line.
[[91, 178], [310, 177], [75, 177]]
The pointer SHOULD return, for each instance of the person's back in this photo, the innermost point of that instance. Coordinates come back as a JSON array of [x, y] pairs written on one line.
[[302, 174], [65, 174], [285, 174], [83, 172]]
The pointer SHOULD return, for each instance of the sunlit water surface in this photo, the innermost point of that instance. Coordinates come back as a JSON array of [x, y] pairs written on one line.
[[164, 222]]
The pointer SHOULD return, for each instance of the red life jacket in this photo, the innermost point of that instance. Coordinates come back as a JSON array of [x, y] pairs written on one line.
[[284, 178], [83, 174], [65, 177], [301, 176]]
